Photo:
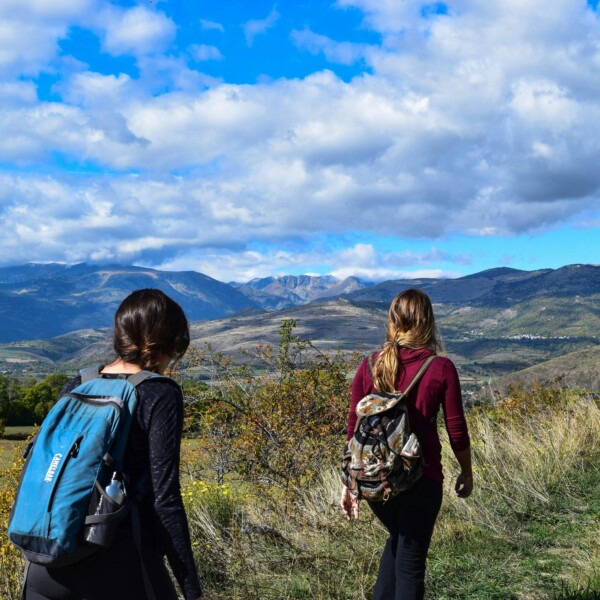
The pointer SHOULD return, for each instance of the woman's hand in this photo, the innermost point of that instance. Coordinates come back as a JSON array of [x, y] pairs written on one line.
[[464, 482], [464, 485], [349, 504]]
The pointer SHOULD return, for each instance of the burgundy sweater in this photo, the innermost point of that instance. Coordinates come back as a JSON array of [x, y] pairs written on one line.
[[439, 386]]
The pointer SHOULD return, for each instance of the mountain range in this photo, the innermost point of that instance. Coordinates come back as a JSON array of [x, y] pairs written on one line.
[[293, 290], [39, 301], [45, 300], [494, 322]]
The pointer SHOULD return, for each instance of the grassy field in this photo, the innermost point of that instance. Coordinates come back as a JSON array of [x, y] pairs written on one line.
[[11, 441], [529, 531]]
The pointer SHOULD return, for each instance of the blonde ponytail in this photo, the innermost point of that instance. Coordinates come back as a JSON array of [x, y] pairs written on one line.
[[411, 324]]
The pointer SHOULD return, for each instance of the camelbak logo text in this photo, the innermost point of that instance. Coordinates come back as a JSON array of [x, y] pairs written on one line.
[[53, 467]]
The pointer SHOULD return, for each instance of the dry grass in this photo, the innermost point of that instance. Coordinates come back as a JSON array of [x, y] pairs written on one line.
[[523, 461], [529, 531]]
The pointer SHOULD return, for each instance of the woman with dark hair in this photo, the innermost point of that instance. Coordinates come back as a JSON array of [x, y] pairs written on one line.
[[150, 331], [410, 516]]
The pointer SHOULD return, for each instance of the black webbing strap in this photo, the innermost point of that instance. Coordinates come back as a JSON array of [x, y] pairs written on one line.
[[137, 538], [140, 376]]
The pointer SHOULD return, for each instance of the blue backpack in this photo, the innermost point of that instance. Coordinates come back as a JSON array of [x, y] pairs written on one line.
[[61, 502]]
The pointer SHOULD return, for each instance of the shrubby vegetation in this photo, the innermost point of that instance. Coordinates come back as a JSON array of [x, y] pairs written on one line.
[[28, 402], [272, 420], [261, 487], [11, 563]]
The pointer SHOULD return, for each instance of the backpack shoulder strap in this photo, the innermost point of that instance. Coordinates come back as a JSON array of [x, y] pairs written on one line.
[[135, 379], [89, 374], [419, 374], [140, 376]]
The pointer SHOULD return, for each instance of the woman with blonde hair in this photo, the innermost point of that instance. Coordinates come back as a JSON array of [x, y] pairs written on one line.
[[410, 516]]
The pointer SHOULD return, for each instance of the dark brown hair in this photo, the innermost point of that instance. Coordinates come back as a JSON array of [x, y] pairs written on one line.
[[149, 324], [411, 324]]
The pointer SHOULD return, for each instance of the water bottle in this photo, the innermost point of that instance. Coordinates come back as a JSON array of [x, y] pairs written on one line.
[[114, 490], [109, 501]]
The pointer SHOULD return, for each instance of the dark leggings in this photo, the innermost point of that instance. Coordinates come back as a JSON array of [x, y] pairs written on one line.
[[409, 517], [114, 574]]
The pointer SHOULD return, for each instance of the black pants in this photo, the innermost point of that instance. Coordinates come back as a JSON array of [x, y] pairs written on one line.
[[113, 574], [409, 517]]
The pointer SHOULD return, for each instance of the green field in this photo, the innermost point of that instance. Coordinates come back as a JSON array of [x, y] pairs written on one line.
[[13, 438]]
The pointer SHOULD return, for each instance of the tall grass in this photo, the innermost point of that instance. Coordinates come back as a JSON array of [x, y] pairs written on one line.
[[524, 461], [529, 530]]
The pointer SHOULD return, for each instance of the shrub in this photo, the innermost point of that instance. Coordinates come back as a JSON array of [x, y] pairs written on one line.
[[11, 562], [275, 426]]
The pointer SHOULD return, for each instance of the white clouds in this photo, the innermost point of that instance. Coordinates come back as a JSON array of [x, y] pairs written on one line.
[[259, 26], [211, 25], [483, 122], [361, 260], [30, 30], [364, 260], [544, 103], [94, 89], [56, 10], [18, 54], [345, 53], [201, 52], [137, 31], [18, 93]]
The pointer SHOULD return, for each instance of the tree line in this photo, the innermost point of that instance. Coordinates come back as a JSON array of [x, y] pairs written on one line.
[[28, 402]]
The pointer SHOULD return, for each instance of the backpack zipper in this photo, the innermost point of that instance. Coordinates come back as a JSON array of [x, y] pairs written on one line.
[[97, 400], [73, 453]]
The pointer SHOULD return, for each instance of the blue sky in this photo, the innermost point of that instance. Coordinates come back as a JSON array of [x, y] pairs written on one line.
[[244, 139]]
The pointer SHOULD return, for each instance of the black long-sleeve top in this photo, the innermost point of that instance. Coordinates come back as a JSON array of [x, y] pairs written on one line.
[[154, 448]]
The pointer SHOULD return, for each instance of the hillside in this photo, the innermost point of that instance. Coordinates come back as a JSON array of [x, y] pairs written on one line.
[[332, 325], [43, 301], [485, 343], [495, 287], [492, 323], [580, 369]]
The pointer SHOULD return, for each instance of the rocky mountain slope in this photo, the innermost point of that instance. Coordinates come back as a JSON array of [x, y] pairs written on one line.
[[292, 290]]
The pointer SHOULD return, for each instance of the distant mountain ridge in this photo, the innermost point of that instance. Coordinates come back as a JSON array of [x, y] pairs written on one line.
[[294, 290], [44, 301], [494, 287]]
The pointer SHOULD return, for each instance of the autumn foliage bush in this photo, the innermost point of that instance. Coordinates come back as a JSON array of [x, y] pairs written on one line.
[[275, 419], [11, 562]]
